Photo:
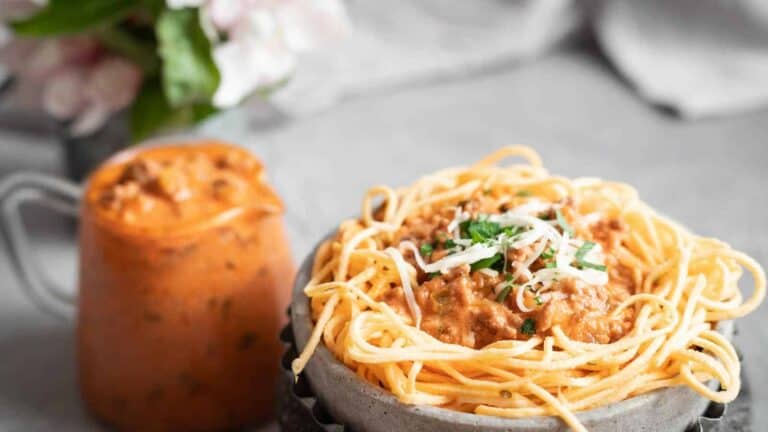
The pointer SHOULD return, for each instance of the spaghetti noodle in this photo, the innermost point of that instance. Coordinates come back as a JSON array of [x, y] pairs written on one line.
[[506, 291]]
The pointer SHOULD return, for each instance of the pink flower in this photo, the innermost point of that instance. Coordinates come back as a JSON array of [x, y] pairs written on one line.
[[110, 85], [12, 9], [72, 79], [256, 44], [63, 95]]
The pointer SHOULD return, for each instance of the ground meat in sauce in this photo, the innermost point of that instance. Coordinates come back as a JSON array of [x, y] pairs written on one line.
[[460, 307]]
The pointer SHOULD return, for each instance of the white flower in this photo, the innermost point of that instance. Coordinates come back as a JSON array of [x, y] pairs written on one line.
[[224, 14], [264, 38], [255, 57], [306, 25]]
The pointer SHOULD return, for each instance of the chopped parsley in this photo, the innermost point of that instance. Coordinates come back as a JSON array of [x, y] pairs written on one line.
[[495, 262], [504, 293], [479, 230], [513, 230], [523, 193], [582, 252], [539, 300], [449, 244], [598, 267], [548, 253], [426, 249], [433, 275], [563, 223], [528, 327], [550, 264]]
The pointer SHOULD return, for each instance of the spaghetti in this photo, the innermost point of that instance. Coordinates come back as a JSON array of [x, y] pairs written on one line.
[[506, 291]]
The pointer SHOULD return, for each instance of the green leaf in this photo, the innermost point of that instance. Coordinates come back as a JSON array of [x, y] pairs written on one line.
[[548, 253], [528, 327], [479, 230], [504, 293], [72, 16], [598, 267], [123, 42], [582, 252], [153, 7], [189, 73], [151, 112], [513, 230], [426, 249], [486, 262]]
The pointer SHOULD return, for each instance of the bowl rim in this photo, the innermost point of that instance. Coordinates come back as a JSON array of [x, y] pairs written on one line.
[[302, 327]]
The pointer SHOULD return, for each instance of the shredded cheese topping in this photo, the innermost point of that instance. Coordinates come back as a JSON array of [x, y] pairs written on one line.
[[535, 232]]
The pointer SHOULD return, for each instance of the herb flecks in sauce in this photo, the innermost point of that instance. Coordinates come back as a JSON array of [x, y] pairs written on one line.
[[494, 268], [528, 327]]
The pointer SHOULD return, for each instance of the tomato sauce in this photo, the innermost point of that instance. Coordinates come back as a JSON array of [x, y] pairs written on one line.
[[185, 274]]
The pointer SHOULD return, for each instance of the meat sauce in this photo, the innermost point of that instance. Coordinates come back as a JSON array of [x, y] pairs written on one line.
[[461, 307], [185, 274]]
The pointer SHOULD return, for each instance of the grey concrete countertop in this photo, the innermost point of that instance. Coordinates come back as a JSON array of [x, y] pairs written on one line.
[[710, 175]]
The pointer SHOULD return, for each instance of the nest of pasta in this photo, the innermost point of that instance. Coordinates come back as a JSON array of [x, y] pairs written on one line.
[[506, 291]]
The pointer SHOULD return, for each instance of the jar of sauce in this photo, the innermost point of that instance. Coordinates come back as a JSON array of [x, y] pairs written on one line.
[[185, 274]]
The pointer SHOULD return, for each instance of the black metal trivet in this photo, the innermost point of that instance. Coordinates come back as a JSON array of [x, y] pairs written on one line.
[[300, 411]]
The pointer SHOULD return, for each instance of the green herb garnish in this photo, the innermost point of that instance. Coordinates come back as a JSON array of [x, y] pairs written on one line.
[[426, 249], [550, 264], [513, 230], [563, 223], [528, 327], [433, 275], [504, 293], [492, 262], [449, 244], [598, 267], [539, 300], [523, 193], [479, 230], [582, 252], [548, 253]]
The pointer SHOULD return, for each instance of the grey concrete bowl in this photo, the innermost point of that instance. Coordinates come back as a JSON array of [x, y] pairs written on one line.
[[364, 407]]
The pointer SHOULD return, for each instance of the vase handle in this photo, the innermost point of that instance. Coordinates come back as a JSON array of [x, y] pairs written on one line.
[[55, 194]]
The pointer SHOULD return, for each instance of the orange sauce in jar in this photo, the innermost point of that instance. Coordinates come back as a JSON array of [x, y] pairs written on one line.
[[185, 274]]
